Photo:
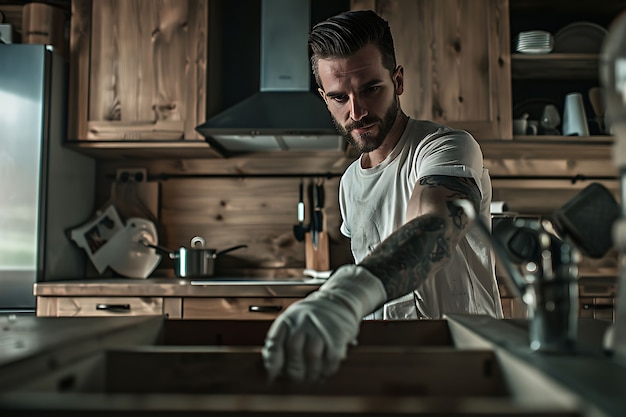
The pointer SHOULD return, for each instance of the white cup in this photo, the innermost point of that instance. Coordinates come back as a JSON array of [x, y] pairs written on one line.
[[533, 128], [520, 126], [574, 116]]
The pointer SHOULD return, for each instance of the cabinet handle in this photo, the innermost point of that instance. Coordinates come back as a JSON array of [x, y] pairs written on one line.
[[114, 308], [588, 306], [265, 309]]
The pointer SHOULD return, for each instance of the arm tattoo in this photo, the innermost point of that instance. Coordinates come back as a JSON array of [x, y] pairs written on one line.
[[405, 259], [461, 188]]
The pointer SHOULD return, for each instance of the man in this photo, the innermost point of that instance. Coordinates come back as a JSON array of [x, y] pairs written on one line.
[[412, 243]]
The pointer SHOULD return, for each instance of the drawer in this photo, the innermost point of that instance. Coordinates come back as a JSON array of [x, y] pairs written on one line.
[[99, 306], [235, 308], [598, 308]]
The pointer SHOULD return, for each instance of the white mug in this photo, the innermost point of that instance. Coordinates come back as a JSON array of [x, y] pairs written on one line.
[[533, 128], [520, 126], [574, 116]]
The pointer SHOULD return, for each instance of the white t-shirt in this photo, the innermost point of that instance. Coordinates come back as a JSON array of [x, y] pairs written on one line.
[[373, 204]]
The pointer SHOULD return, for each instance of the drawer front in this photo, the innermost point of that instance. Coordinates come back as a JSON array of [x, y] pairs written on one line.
[[235, 308], [99, 306]]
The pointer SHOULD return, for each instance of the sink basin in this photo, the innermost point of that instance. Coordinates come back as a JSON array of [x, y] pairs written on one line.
[[432, 367], [367, 371]]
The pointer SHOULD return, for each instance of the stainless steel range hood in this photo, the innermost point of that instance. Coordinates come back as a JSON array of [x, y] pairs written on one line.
[[284, 115]]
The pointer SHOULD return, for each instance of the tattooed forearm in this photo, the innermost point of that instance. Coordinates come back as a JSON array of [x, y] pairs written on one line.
[[416, 250], [404, 260], [459, 219]]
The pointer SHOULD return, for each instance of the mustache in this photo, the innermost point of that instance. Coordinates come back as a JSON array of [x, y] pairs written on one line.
[[366, 121]]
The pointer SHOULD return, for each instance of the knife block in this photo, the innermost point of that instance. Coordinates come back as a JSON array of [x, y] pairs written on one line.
[[317, 259]]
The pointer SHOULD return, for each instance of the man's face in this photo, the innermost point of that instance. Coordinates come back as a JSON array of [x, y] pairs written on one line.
[[361, 96]]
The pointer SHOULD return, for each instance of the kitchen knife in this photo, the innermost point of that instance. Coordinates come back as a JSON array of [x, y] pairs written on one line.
[[299, 230], [318, 217], [314, 216]]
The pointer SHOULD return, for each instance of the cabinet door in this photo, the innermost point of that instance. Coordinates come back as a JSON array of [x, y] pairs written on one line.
[[456, 59], [137, 69]]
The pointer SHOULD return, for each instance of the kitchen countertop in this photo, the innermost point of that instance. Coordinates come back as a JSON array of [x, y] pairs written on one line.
[[235, 287], [177, 287]]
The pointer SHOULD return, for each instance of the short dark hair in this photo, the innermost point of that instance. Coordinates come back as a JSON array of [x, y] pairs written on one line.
[[344, 34]]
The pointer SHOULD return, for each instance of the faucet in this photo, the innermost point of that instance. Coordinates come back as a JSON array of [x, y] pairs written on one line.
[[543, 271]]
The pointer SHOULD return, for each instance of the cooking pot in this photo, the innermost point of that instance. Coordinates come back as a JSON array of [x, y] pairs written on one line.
[[196, 261]]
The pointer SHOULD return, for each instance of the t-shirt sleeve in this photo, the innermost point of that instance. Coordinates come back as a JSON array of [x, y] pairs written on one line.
[[454, 153]]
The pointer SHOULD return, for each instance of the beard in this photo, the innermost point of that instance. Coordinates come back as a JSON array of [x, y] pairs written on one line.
[[368, 142]]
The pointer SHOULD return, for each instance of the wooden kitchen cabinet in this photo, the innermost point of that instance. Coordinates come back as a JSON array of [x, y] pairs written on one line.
[[137, 69], [456, 59], [210, 308], [173, 298]]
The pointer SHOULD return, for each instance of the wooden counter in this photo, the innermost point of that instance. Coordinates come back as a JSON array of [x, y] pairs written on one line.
[[231, 298], [219, 298]]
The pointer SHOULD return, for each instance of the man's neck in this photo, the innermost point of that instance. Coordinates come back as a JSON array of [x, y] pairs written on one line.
[[371, 159]]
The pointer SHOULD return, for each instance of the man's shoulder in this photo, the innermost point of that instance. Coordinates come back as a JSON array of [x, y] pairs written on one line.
[[425, 132], [428, 128]]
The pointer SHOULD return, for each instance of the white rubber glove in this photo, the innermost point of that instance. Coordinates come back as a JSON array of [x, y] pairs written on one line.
[[310, 338]]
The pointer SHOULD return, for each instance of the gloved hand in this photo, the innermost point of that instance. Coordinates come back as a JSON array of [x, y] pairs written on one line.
[[310, 338]]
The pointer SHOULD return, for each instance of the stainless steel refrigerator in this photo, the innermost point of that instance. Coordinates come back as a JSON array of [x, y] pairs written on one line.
[[45, 188]]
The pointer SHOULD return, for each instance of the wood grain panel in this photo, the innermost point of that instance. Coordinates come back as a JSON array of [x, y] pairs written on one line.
[[235, 308], [280, 164], [79, 67], [541, 197], [173, 307], [142, 67], [47, 306], [367, 371], [259, 212], [219, 332], [87, 306], [456, 59], [458, 93], [550, 168], [146, 130], [104, 101]]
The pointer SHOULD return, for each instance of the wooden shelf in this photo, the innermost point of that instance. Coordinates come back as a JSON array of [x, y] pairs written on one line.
[[554, 66], [542, 7], [183, 149], [549, 147], [521, 147], [144, 149]]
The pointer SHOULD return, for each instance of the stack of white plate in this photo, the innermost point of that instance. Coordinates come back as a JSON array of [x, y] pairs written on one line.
[[534, 42]]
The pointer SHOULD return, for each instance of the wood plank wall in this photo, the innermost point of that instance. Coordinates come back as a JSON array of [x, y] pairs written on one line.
[[243, 200], [252, 200]]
